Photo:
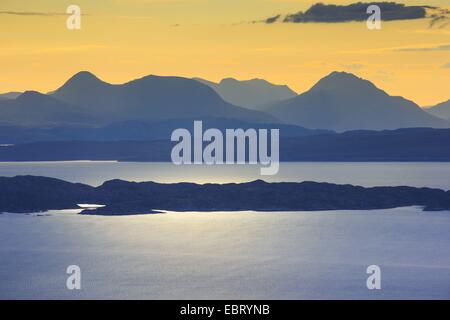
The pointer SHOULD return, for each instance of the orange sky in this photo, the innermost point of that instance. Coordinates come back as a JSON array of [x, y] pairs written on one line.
[[124, 39]]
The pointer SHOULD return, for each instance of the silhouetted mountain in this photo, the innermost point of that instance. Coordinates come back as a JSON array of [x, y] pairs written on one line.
[[251, 94], [150, 98], [32, 194], [416, 144], [35, 109], [134, 130], [342, 101], [9, 95], [339, 101], [441, 110]]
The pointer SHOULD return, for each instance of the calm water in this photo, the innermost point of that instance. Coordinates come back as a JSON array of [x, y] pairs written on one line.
[[436, 175], [240, 255]]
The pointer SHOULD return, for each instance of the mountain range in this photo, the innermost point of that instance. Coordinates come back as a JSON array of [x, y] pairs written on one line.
[[150, 98], [85, 99], [339, 102]]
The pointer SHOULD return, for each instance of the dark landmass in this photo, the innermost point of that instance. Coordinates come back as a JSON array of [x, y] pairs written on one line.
[[415, 144], [137, 130], [23, 194], [410, 144]]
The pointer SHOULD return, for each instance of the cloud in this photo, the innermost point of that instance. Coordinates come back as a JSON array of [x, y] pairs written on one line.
[[440, 18], [272, 19], [38, 14], [29, 13], [331, 13], [356, 12], [444, 47], [446, 66]]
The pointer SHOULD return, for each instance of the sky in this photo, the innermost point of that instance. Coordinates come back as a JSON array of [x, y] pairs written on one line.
[[121, 40]]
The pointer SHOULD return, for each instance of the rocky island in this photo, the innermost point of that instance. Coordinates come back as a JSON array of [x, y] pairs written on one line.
[[26, 194]]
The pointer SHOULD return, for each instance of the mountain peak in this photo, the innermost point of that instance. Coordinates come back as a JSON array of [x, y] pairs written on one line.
[[254, 81], [229, 80], [343, 81], [29, 95], [79, 82], [84, 75], [83, 80]]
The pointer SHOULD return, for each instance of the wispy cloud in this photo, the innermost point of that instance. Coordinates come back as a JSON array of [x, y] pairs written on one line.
[[446, 66], [381, 50], [31, 13], [38, 14], [444, 47], [440, 18]]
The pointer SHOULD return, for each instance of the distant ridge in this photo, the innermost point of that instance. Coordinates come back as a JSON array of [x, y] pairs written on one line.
[[32, 108], [342, 101], [9, 95], [411, 144], [251, 94], [441, 110], [134, 130]]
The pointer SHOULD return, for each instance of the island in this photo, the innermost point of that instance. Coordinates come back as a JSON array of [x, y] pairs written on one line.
[[28, 194]]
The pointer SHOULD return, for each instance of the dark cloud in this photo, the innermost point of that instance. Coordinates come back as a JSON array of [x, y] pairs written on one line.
[[446, 66], [272, 19], [445, 47], [332, 13], [356, 12]]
